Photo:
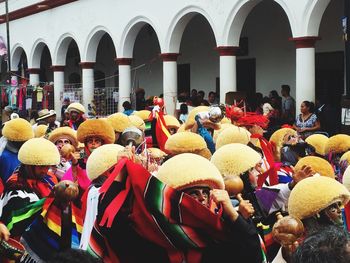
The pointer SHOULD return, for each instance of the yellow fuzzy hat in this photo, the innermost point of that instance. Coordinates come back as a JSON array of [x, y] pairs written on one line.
[[18, 130], [232, 134], [137, 122], [318, 141], [192, 114], [96, 127], [119, 121], [185, 142], [346, 157], [76, 106], [225, 120], [339, 143], [156, 153], [181, 128], [102, 159], [346, 178], [171, 122], [176, 173], [64, 133], [217, 132], [313, 194], [40, 131], [235, 159], [277, 139], [143, 114], [39, 151], [318, 165]]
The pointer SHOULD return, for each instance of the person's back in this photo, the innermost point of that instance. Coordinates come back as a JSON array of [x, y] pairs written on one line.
[[288, 105]]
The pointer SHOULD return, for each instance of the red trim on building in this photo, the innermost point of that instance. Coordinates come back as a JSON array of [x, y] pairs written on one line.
[[123, 61], [33, 9], [34, 70], [57, 68], [169, 56], [87, 65], [227, 50], [304, 42]]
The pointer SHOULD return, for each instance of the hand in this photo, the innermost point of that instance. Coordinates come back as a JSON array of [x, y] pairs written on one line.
[[130, 154], [4, 232], [221, 197], [246, 209], [305, 172], [74, 156]]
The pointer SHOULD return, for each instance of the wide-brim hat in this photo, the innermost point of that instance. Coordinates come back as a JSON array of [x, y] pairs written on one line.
[[119, 121], [318, 165], [64, 133], [44, 114], [185, 142], [171, 122], [190, 170], [40, 131], [39, 151], [18, 130], [96, 128], [313, 194], [76, 106], [235, 159], [137, 122], [232, 134], [102, 159], [318, 141], [143, 114], [277, 140]]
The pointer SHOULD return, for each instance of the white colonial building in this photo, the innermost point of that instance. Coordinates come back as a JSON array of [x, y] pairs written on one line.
[[167, 47]]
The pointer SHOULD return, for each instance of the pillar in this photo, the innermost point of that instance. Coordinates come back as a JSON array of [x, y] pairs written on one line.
[[88, 83], [34, 77], [58, 80], [170, 81], [124, 81]]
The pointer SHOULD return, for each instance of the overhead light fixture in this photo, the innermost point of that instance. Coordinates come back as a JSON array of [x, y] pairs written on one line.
[[42, 6]]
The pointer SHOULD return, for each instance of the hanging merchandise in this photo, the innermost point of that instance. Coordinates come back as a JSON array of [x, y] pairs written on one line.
[[21, 97]]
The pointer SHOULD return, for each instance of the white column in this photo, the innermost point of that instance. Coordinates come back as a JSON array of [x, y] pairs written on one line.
[[124, 81], [228, 74], [170, 82], [88, 83], [58, 80], [34, 77], [305, 70]]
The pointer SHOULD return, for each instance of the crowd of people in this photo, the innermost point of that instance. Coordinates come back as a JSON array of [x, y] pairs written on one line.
[[249, 182]]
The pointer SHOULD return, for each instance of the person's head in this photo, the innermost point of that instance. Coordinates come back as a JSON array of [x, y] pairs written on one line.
[[285, 90], [307, 107], [66, 101], [211, 97], [94, 133], [201, 94], [140, 93], [75, 110], [34, 114], [273, 94], [191, 174], [127, 105], [47, 116], [193, 93], [38, 155], [183, 108], [331, 245], [119, 121], [62, 136], [171, 123]]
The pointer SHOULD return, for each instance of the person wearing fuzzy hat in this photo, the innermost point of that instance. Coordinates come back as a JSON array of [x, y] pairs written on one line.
[[76, 115], [119, 122], [98, 168], [197, 222], [16, 132], [92, 133], [30, 182], [60, 137]]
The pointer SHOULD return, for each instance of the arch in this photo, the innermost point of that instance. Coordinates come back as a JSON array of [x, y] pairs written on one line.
[[60, 53], [178, 25], [36, 53], [313, 15], [16, 54], [92, 43], [130, 33], [291, 16]]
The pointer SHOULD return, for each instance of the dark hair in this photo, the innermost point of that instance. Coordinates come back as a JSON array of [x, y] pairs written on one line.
[[274, 94], [127, 105], [183, 108], [201, 92], [310, 105], [74, 256], [212, 93], [327, 245], [286, 88]]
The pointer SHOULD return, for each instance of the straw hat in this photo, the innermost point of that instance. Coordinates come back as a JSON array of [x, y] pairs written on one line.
[[98, 128], [64, 133], [235, 159], [232, 134], [176, 173], [339, 143], [18, 130], [119, 121], [313, 194], [39, 151], [76, 106], [44, 114], [318, 141], [318, 165], [102, 159], [137, 122]]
